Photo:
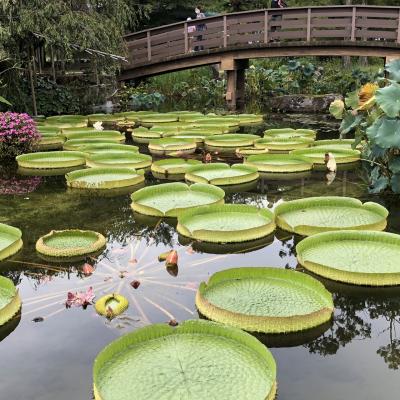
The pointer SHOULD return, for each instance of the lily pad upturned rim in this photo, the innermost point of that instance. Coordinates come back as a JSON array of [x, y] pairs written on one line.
[[260, 161], [159, 166], [189, 327], [97, 148], [265, 323], [75, 144], [250, 174], [231, 236], [101, 304], [15, 246], [336, 201], [282, 132], [50, 143], [170, 145], [135, 177], [174, 187], [346, 276], [283, 144], [32, 160], [346, 155], [99, 242], [133, 160], [12, 308], [91, 134], [234, 140]]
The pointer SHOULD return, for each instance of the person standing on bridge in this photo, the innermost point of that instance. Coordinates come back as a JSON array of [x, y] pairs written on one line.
[[200, 27], [277, 4]]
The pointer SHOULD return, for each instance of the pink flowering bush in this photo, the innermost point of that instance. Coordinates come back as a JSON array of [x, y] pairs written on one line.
[[18, 134]]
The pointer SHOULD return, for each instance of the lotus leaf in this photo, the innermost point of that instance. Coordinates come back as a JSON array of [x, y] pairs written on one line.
[[173, 166], [171, 199], [111, 305], [70, 244], [269, 300], [10, 241], [228, 223], [313, 215], [360, 258], [283, 144], [104, 178], [51, 159], [279, 163], [221, 174], [231, 140], [336, 108], [385, 133], [170, 145], [194, 361], [317, 155], [10, 302], [127, 159], [388, 99], [393, 68]]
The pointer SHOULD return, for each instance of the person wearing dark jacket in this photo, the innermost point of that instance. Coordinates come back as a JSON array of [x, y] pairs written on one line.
[[277, 4]]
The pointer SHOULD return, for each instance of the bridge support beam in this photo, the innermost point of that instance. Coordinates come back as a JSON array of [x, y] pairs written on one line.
[[236, 78]]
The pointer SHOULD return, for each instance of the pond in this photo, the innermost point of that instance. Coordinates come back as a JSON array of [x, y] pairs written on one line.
[[48, 353]]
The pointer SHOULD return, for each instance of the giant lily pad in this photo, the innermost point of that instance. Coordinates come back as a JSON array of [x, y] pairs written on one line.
[[227, 223], [360, 258], [94, 134], [172, 167], [104, 178], [230, 140], [10, 241], [111, 159], [283, 144], [335, 144], [317, 155], [171, 145], [289, 133], [10, 302], [77, 144], [171, 199], [149, 121], [269, 300], [221, 174], [70, 244], [105, 148], [248, 119], [144, 135], [279, 163], [50, 143], [196, 360], [51, 159], [313, 215]]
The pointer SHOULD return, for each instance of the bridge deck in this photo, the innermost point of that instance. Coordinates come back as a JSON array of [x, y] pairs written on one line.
[[336, 30]]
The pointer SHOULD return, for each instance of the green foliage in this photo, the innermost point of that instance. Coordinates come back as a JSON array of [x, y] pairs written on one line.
[[138, 98]]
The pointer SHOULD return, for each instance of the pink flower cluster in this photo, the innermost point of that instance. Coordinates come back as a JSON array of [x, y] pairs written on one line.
[[15, 186], [18, 133]]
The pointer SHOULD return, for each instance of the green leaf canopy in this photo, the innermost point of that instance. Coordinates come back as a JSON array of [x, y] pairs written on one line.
[[385, 132], [388, 99]]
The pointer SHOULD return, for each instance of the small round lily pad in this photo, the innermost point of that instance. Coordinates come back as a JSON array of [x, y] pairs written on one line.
[[51, 159], [360, 258], [104, 178], [171, 199], [279, 163], [221, 174], [195, 360], [111, 305], [10, 302], [10, 241], [226, 223], [269, 300], [313, 215], [70, 244], [128, 159]]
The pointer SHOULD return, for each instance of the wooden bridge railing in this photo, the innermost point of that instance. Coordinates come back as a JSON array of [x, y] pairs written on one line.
[[266, 27]]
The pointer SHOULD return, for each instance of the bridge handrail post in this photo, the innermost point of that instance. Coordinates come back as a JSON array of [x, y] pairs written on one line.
[[398, 28], [266, 27], [186, 36], [148, 45], [353, 25], [309, 24], [225, 23]]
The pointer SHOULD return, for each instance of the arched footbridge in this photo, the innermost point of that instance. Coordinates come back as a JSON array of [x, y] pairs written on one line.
[[230, 40]]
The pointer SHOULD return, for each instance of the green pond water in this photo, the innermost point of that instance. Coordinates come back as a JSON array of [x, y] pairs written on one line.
[[355, 357]]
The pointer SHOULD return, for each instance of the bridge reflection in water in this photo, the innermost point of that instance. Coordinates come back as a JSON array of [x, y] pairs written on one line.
[[230, 40]]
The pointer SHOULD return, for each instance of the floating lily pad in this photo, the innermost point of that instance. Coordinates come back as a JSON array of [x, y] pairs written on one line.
[[149, 121], [334, 143], [111, 159], [279, 144], [230, 140], [290, 133], [10, 302], [95, 134], [249, 151], [171, 167], [220, 174], [104, 178], [171, 199], [144, 135], [360, 258], [51, 159], [279, 163], [71, 244], [227, 223], [317, 155], [196, 360], [313, 215], [10, 241], [269, 300], [249, 119], [171, 145], [105, 148], [50, 143], [196, 136], [77, 144], [111, 305]]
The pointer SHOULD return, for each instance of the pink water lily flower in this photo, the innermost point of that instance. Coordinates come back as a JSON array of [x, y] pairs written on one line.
[[80, 299]]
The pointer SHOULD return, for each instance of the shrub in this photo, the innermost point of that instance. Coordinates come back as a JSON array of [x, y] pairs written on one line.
[[18, 134]]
